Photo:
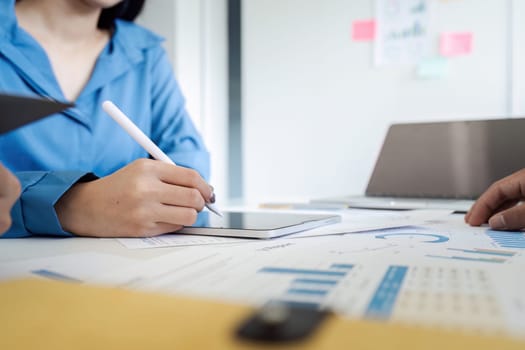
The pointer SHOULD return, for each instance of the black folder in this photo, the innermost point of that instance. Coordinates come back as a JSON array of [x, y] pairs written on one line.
[[16, 111]]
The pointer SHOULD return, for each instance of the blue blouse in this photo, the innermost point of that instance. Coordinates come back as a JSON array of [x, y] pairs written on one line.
[[53, 154]]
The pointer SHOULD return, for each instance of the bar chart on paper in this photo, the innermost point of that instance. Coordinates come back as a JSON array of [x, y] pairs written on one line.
[[435, 278], [447, 296], [434, 295], [476, 255], [515, 240], [308, 287], [428, 294], [311, 288], [386, 294]]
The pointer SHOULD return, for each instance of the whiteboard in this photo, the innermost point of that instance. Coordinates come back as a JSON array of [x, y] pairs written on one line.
[[316, 109]]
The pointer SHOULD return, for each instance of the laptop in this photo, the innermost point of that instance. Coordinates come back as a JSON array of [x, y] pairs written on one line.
[[442, 165]]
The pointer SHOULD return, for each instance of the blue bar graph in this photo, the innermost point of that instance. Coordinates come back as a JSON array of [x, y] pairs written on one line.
[[329, 273], [308, 292], [308, 288], [342, 266], [384, 298], [464, 258], [315, 281], [515, 240], [485, 252]]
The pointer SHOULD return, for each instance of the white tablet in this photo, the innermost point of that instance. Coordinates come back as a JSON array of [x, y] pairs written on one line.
[[261, 225]]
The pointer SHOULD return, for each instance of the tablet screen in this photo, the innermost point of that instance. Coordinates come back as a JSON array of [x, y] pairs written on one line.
[[253, 220], [256, 224]]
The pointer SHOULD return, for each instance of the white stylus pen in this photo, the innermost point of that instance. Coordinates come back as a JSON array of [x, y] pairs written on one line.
[[141, 138]]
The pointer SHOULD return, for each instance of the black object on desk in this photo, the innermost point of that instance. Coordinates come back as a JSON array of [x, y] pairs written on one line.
[[279, 322]]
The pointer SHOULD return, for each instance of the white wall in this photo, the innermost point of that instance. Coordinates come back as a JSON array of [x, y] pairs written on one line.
[[316, 109], [158, 16], [196, 41], [519, 57]]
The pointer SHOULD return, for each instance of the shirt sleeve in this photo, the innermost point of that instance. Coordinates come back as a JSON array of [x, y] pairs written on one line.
[[34, 212], [172, 128]]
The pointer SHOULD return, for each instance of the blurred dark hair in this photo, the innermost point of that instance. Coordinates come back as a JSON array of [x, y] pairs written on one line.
[[127, 10]]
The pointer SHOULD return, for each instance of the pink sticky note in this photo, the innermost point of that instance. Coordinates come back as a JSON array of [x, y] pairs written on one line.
[[364, 30], [455, 44]]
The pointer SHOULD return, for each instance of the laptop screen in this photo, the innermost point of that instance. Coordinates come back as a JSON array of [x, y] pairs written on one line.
[[447, 159]]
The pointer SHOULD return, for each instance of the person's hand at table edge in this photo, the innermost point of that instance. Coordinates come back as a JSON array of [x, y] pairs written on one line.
[[500, 204]]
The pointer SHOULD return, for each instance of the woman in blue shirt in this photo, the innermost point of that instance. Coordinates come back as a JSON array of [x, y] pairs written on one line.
[[79, 172]]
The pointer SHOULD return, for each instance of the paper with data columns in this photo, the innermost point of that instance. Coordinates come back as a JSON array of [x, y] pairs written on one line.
[[443, 274]]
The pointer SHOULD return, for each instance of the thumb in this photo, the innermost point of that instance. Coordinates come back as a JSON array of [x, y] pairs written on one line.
[[510, 219]]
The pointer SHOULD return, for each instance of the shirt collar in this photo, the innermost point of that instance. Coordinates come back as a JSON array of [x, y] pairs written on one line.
[[133, 39], [126, 48], [7, 17]]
